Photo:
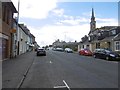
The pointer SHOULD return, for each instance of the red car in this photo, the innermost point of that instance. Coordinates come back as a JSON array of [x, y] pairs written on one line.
[[85, 52]]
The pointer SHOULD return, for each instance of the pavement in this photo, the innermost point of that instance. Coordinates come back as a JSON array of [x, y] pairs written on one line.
[[14, 69], [0, 74]]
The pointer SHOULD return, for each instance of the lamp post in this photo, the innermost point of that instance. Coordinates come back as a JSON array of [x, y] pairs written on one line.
[[16, 43]]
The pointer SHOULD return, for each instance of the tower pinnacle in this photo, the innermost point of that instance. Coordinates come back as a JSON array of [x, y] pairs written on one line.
[[93, 22], [92, 13]]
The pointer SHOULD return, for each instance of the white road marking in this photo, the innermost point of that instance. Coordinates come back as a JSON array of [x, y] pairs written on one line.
[[66, 84], [50, 62], [60, 87]]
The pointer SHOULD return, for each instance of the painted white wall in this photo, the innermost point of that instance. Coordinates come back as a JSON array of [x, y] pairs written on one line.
[[14, 40], [90, 47], [85, 46], [22, 43]]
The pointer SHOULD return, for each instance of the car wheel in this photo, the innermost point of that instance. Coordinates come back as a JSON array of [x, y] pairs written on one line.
[[107, 57]]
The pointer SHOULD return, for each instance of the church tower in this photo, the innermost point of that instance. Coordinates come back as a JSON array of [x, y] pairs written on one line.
[[93, 22]]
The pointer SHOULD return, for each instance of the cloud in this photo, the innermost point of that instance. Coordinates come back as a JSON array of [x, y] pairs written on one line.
[[58, 12], [88, 14], [36, 9], [88, 0], [73, 20], [106, 19], [106, 22], [68, 17], [48, 34]]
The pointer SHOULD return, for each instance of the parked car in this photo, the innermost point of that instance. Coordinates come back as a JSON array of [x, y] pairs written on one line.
[[59, 49], [53, 49], [41, 51], [85, 52], [106, 54], [68, 50]]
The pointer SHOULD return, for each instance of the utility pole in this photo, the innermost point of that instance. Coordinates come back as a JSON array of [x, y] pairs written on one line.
[[16, 43]]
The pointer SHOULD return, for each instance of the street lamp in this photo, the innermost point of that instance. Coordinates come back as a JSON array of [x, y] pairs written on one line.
[[17, 28]]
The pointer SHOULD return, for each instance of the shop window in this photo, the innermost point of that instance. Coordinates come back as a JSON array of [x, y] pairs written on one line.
[[113, 32], [97, 45]]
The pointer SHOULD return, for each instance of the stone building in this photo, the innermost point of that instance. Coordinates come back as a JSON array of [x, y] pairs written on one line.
[[8, 9]]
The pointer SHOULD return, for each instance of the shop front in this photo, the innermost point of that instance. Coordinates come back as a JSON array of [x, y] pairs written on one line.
[[3, 46]]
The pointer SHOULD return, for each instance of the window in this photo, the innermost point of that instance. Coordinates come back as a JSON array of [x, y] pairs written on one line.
[[83, 46], [4, 12], [117, 45], [89, 38], [113, 32], [88, 47], [7, 16], [97, 45]]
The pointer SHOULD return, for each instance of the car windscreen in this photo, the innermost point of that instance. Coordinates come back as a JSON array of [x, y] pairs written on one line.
[[40, 49], [107, 51]]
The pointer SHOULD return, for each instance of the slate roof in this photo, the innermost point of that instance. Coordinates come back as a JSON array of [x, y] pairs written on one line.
[[25, 29], [117, 37]]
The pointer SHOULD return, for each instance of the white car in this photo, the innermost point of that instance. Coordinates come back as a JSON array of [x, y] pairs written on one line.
[[59, 49], [68, 50]]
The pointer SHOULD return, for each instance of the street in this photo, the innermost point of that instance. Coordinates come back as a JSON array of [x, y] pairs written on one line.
[[59, 70]]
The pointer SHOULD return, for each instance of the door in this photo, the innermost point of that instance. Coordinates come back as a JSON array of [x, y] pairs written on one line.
[[18, 48], [4, 48], [0, 48]]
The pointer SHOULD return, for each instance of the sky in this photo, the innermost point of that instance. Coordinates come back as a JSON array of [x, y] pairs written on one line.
[[67, 20]]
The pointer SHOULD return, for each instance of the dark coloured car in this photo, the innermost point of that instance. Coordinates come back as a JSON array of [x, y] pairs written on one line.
[[41, 51], [106, 54], [85, 52]]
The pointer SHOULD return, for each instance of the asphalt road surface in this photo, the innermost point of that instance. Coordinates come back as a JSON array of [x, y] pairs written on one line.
[[70, 70]]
